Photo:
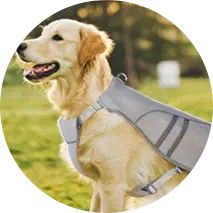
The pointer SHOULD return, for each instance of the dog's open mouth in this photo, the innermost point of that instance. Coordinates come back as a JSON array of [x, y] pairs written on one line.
[[40, 71]]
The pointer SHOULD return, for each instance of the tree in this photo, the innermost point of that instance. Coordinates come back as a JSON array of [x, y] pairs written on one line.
[[129, 58], [142, 38]]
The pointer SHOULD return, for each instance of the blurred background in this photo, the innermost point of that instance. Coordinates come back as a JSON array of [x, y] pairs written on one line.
[[159, 61]]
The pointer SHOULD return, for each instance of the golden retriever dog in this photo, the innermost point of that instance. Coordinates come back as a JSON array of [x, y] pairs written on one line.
[[71, 56]]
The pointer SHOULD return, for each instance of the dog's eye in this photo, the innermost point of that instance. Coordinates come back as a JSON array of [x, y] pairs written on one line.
[[57, 37]]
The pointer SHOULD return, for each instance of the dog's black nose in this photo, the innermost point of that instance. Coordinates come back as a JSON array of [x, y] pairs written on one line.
[[22, 47]]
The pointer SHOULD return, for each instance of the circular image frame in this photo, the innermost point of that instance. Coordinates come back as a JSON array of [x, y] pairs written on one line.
[[26, 164]]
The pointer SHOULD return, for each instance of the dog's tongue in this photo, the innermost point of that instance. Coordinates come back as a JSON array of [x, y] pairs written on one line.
[[42, 68], [38, 69]]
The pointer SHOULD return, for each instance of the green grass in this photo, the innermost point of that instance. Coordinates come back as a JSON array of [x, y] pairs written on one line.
[[194, 96], [29, 125]]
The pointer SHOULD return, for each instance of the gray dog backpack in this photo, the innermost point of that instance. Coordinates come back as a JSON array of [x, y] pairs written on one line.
[[177, 136]]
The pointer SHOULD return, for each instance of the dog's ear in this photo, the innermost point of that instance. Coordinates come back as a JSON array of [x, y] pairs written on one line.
[[93, 43]]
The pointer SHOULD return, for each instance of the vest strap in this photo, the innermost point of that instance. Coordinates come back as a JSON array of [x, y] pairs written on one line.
[[153, 187], [179, 137]]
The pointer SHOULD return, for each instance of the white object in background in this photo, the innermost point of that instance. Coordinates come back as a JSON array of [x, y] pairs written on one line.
[[168, 74]]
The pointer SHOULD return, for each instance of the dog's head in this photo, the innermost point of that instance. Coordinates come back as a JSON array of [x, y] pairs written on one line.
[[63, 46]]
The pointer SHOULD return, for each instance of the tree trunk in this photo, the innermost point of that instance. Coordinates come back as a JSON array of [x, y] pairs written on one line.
[[130, 66]]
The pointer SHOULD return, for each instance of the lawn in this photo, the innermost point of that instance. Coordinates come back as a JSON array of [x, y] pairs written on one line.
[[29, 125]]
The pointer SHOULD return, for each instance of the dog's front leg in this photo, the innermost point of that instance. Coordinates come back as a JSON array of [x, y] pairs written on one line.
[[96, 200], [113, 197]]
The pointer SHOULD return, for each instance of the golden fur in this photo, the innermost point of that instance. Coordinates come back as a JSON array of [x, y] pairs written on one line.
[[111, 151]]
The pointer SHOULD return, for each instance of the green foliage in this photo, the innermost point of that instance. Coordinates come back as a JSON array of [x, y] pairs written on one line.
[[152, 37], [29, 125]]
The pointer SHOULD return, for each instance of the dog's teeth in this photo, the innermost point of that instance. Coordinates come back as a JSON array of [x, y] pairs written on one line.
[[33, 73]]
